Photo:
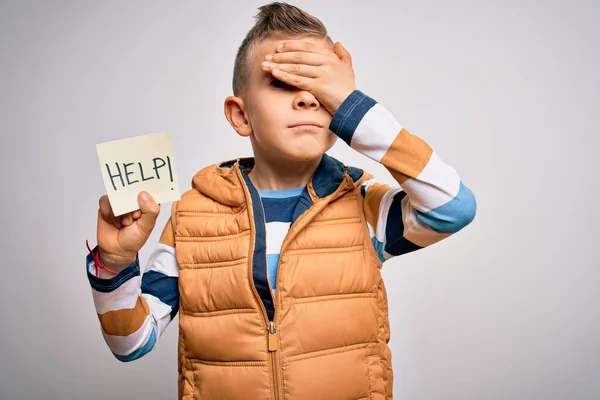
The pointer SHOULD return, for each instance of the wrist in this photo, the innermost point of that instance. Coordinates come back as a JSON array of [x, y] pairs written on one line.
[[350, 114], [338, 100], [115, 262]]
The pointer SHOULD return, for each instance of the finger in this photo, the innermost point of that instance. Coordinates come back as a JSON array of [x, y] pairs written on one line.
[[136, 214], [104, 208], [106, 211], [116, 221], [343, 54], [299, 57], [149, 212], [297, 69], [300, 82], [300, 45], [126, 219]]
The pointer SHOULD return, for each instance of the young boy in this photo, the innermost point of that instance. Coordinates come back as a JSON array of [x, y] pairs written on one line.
[[273, 262]]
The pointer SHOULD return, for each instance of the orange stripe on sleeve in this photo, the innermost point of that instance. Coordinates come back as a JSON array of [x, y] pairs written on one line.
[[372, 201], [407, 156], [127, 321]]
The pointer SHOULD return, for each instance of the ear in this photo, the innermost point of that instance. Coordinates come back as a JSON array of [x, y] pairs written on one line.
[[235, 113]]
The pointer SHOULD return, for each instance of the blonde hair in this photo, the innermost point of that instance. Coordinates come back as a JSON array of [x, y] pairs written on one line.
[[273, 19]]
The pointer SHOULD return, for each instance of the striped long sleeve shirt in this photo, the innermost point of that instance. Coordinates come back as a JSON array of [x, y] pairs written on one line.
[[428, 203]]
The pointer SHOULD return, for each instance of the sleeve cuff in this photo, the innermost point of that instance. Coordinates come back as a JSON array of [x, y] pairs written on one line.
[[349, 115], [110, 284]]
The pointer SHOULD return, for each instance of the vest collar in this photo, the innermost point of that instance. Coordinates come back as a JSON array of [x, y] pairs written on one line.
[[221, 183]]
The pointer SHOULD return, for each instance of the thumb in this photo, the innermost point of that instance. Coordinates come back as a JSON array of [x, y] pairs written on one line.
[[342, 54], [149, 212]]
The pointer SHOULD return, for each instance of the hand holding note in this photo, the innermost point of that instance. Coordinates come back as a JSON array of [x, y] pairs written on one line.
[[135, 164], [120, 238], [138, 173]]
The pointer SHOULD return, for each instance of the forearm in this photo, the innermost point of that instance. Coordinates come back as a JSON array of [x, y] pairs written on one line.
[[434, 189], [133, 312], [124, 315]]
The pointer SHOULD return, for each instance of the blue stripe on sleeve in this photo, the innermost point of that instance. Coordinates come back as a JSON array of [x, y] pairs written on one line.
[[452, 216], [141, 351], [110, 284], [395, 242], [394, 226], [401, 246], [378, 248], [163, 287], [348, 116]]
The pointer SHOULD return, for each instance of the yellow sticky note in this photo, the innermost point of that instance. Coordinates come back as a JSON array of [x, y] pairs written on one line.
[[135, 164]]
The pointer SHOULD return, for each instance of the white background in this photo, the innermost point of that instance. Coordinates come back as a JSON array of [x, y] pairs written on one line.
[[507, 92]]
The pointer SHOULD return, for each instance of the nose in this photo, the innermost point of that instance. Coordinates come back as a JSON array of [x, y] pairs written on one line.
[[305, 100]]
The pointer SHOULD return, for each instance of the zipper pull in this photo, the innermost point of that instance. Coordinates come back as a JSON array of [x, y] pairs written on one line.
[[273, 342]]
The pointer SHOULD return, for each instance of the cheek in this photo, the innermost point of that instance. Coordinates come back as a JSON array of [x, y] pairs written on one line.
[[275, 112], [325, 114], [267, 123], [270, 119]]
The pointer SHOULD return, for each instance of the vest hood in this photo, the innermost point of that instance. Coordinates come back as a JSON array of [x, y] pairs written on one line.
[[221, 183]]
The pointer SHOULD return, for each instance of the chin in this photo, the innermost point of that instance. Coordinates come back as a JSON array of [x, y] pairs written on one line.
[[304, 156], [309, 149]]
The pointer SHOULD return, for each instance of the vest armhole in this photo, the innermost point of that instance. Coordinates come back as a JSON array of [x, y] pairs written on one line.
[[368, 243], [174, 208]]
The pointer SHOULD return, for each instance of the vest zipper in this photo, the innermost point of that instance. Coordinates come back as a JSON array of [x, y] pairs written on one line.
[[250, 277], [273, 344], [272, 340]]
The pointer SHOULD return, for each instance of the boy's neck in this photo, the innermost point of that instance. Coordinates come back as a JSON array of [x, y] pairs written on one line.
[[266, 175]]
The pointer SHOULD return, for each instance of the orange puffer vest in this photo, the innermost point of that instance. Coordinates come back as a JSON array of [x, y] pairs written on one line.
[[323, 336]]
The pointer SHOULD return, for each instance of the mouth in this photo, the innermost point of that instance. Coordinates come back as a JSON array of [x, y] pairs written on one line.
[[306, 124]]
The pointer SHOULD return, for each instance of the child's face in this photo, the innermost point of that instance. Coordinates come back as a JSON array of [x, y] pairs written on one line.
[[274, 108]]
